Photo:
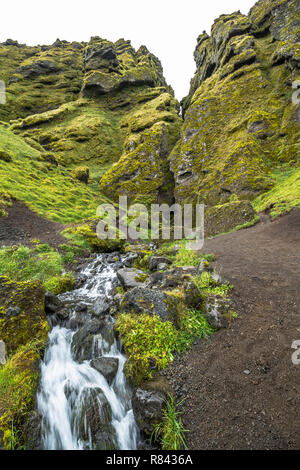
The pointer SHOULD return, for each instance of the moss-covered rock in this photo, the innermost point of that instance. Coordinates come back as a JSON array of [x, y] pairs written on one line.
[[239, 117], [22, 313], [85, 235], [81, 173], [18, 385], [226, 217], [142, 173]]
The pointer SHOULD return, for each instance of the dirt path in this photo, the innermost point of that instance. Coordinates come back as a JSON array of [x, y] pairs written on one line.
[[22, 224], [225, 407]]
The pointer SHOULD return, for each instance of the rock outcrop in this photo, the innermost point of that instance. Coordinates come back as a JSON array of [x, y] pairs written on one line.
[[240, 121]]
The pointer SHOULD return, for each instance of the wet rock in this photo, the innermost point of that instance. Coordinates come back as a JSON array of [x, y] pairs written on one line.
[[155, 261], [52, 303], [80, 280], [101, 307], [92, 340], [130, 259], [107, 366], [96, 411], [147, 408], [217, 311], [153, 302], [32, 431], [130, 278], [113, 258], [2, 353]]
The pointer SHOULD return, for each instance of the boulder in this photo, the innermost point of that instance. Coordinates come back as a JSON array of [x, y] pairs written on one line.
[[148, 407], [94, 420], [101, 307], [222, 218], [131, 277], [153, 302], [107, 366], [92, 340], [155, 261], [217, 311], [192, 295]]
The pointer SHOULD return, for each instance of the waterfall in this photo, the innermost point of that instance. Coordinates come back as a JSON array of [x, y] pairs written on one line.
[[80, 407]]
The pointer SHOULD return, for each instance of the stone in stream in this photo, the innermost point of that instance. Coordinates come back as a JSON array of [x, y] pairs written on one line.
[[101, 307], [92, 340], [130, 278], [107, 366], [147, 407], [96, 411]]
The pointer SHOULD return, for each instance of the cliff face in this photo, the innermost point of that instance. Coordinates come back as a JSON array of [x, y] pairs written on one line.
[[104, 111], [93, 104], [240, 122]]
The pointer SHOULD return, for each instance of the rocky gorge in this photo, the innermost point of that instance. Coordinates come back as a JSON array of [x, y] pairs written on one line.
[[90, 328]]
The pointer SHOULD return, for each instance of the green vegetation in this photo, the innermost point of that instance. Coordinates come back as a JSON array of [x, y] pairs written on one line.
[[180, 255], [40, 263], [151, 344], [170, 431], [284, 196], [48, 190], [146, 338], [18, 383]]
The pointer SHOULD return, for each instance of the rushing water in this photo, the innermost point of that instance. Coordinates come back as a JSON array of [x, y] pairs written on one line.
[[75, 400]]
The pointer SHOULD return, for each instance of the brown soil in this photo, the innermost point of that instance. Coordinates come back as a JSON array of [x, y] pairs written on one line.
[[22, 224], [226, 408]]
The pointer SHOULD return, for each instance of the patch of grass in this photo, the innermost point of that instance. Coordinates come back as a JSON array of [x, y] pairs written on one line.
[[170, 431], [40, 263], [47, 189], [207, 286], [284, 196], [183, 255], [193, 325]]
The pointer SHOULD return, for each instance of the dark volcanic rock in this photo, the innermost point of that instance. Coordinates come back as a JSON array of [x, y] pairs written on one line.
[[147, 408], [107, 366]]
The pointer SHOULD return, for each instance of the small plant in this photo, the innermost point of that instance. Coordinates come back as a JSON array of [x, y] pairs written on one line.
[[192, 325], [170, 431]]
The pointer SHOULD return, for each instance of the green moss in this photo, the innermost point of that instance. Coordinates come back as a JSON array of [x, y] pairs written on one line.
[[81, 173], [60, 284], [22, 314], [284, 196], [142, 173], [146, 339], [85, 236], [18, 384]]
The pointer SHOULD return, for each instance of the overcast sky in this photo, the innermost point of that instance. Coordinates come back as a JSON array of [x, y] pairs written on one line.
[[169, 28]]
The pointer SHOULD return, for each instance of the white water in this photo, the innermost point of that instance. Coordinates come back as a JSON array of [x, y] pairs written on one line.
[[63, 380]]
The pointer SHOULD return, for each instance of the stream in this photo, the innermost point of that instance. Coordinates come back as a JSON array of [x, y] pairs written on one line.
[[84, 400]]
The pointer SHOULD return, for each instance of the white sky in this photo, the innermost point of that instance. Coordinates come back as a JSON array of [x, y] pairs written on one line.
[[169, 28]]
